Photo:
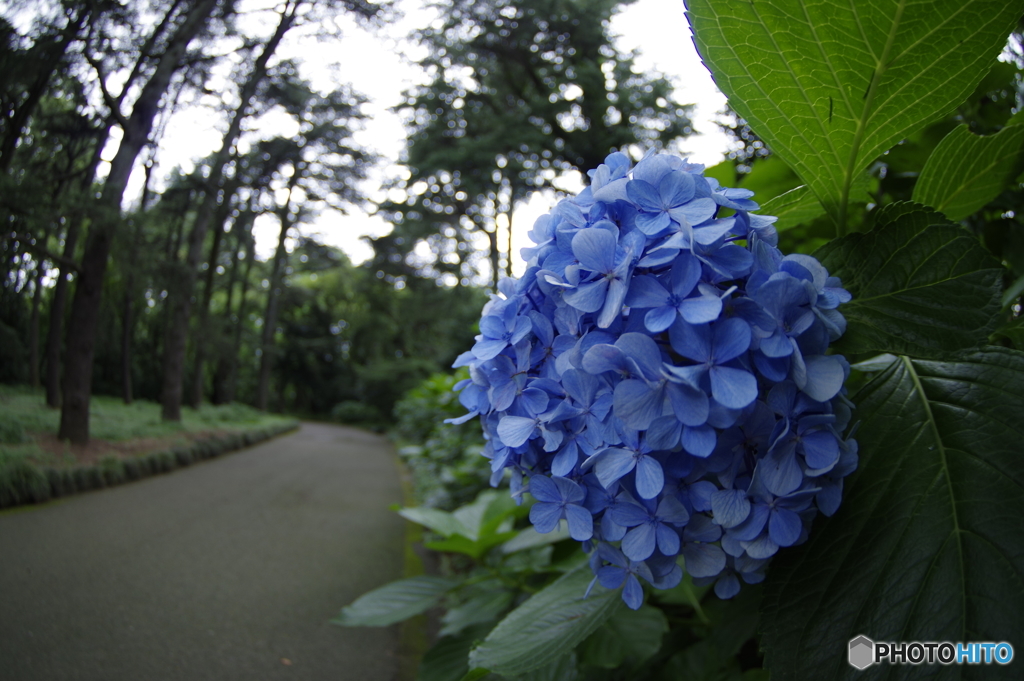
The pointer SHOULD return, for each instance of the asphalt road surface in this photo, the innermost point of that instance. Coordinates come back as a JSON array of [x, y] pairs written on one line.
[[229, 569]]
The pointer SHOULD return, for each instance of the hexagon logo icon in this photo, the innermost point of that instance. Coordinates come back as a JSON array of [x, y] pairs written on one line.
[[862, 652]]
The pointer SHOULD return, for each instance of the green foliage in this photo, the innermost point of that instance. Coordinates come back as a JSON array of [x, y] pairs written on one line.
[[831, 86], [922, 285], [924, 546], [542, 629], [928, 547], [445, 460], [395, 602], [967, 171]]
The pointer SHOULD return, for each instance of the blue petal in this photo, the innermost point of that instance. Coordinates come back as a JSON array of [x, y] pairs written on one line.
[[639, 542], [730, 506], [516, 430], [568, 490], [649, 477], [488, 348], [821, 451], [762, 547], [581, 523], [699, 441], [595, 249], [611, 577], [646, 291], [644, 196], [612, 303], [492, 326], [545, 516], [701, 310], [614, 464], [633, 594], [660, 318], [689, 404], [637, 404], [663, 432], [642, 349], [825, 377], [692, 342], [668, 539], [522, 329], [779, 470], [697, 211], [784, 527], [604, 357], [565, 461], [587, 297], [727, 587], [731, 339], [543, 489], [676, 188], [733, 388], [709, 234], [628, 514], [703, 560]]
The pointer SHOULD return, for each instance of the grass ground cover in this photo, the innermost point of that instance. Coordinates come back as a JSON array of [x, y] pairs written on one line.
[[128, 442]]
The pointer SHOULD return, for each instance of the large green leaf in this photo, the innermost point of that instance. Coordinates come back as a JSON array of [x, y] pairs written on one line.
[[395, 602], [831, 85], [966, 171], [547, 626], [921, 285], [928, 544], [442, 522], [630, 636]]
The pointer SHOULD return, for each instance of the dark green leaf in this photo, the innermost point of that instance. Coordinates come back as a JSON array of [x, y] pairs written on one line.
[[831, 85], [395, 602], [795, 207], [629, 636], [486, 603], [1012, 331], [921, 286], [531, 538], [439, 521], [966, 171], [448, 658], [543, 628], [929, 542]]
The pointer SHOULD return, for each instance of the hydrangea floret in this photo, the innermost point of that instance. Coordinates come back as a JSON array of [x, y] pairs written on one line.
[[659, 380]]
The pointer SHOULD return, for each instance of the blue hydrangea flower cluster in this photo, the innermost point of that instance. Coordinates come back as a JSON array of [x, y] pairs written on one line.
[[658, 379]]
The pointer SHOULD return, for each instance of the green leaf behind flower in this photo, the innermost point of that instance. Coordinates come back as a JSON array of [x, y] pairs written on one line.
[[929, 542], [966, 171], [921, 285], [542, 629], [395, 602], [830, 86]]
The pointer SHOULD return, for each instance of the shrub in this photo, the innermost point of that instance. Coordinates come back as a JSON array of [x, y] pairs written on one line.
[[111, 469], [12, 432], [445, 461], [21, 483], [353, 412]]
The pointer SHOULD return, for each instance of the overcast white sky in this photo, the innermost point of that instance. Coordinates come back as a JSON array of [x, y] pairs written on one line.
[[379, 66]]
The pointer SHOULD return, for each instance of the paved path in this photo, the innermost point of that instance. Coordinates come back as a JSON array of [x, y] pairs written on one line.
[[229, 569]]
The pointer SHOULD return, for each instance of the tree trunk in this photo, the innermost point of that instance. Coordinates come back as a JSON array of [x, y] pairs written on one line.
[[227, 366], [181, 304], [204, 307], [270, 318], [33, 327], [55, 334], [74, 421]]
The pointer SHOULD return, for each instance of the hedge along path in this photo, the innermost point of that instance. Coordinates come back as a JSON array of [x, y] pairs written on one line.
[[228, 570]]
